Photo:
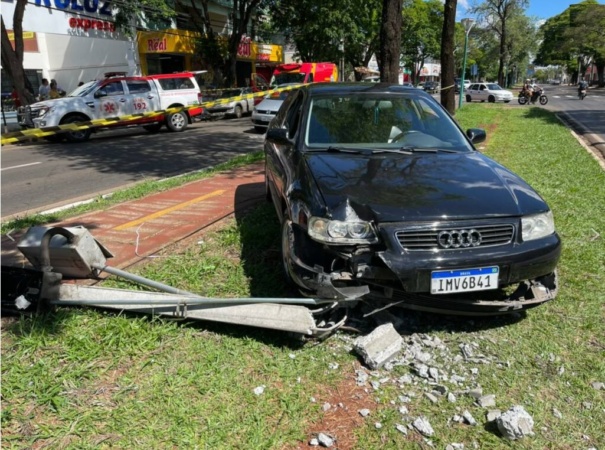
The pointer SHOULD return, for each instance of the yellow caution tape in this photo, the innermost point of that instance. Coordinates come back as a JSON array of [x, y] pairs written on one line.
[[35, 133]]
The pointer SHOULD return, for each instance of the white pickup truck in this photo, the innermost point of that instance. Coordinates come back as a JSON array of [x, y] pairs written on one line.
[[117, 96]]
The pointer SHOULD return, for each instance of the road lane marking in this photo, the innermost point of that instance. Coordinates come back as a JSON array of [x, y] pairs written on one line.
[[163, 212], [22, 165]]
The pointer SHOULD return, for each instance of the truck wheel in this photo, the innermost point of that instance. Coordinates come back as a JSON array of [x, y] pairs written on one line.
[[76, 136], [239, 112], [153, 128], [177, 121]]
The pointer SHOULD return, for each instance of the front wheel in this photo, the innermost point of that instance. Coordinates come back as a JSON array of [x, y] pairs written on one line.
[[239, 112], [491, 99], [76, 136], [468, 99], [543, 99], [177, 121], [522, 99]]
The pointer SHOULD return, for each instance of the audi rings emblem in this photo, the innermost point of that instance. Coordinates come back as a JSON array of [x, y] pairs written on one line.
[[459, 239]]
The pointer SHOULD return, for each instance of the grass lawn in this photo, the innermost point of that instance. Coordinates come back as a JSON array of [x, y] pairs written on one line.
[[84, 379]]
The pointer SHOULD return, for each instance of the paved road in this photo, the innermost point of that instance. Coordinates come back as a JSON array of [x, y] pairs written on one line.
[[44, 175]]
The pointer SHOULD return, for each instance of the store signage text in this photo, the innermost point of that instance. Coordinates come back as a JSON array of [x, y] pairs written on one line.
[[157, 45], [87, 24], [90, 6], [244, 49]]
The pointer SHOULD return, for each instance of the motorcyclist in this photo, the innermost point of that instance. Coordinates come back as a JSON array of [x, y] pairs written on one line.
[[582, 85], [535, 92]]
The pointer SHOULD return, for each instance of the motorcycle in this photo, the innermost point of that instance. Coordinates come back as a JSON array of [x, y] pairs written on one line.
[[582, 94], [526, 97]]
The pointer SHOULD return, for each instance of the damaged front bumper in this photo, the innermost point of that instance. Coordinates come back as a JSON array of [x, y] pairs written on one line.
[[527, 275]]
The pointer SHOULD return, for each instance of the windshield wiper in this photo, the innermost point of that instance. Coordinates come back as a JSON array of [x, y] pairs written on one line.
[[332, 149], [425, 150]]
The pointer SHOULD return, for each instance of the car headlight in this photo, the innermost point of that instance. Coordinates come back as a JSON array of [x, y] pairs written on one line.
[[339, 232], [43, 110], [537, 226]]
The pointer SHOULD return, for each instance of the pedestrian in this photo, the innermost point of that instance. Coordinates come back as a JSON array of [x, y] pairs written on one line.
[[44, 90], [81, 83], [59, 89], [15, 97], [54, 91]]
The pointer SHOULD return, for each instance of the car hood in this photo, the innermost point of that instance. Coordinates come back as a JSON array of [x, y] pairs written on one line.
[[269, 105], [391, 188]]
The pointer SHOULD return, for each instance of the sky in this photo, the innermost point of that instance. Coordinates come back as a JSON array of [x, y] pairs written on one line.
[[542, 9]]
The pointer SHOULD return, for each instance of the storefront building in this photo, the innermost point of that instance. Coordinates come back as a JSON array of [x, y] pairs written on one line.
[[76, 40], [175, 50]]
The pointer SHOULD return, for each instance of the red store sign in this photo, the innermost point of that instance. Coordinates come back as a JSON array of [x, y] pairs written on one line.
[[92, 24], [157, 45]]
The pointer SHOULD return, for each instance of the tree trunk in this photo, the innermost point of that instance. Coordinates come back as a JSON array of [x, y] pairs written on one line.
[[12, 59], [448, 88], [502, 53], [390, 41]]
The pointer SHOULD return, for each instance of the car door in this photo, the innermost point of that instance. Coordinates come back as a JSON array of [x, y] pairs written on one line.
[[482, 92], [248, 102], [143, 97], [111, 100], [472, 91], [279, 157]]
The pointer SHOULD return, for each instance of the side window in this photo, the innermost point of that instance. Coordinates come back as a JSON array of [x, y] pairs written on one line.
[[482, 87], [170, 84], [138, 86], [114, 88], [293, 115]]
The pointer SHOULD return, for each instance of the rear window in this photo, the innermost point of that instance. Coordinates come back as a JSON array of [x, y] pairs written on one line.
[[169, 84]]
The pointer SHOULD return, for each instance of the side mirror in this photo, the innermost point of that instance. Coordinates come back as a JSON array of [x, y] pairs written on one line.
[[476, 135], [278, 136], [101, 93]]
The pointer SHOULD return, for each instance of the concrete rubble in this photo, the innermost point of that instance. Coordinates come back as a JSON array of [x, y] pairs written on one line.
[[380, 346], [515, 423]]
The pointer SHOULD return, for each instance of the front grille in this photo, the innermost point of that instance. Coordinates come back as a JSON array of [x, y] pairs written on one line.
[[428, 239]]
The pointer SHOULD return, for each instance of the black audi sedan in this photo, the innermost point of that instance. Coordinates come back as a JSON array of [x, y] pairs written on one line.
[[383, 197]]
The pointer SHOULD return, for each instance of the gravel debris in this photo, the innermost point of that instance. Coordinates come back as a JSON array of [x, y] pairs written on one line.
[[325, 440], [468, 418], [259, 390], [364, 412], [598, 385], [487, 401]]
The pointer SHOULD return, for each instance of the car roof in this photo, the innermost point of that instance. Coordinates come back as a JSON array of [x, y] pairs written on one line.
[[328, 88]]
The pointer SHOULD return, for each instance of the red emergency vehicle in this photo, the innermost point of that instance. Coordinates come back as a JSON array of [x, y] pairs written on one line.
[[304, 73]]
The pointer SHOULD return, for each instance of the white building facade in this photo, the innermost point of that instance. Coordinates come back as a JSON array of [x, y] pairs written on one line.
[[72, 40]]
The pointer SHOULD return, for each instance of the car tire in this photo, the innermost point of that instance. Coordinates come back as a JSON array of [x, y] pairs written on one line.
[[239, 112], [491, 99], [153, 128], [287, 235], [177, 121], [76, 136], [468, 98]]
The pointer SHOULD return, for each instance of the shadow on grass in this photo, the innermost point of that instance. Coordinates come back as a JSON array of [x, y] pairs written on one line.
[[548, 117]]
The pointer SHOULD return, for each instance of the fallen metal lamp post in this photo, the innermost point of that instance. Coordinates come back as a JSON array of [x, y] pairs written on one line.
[[73, 252]]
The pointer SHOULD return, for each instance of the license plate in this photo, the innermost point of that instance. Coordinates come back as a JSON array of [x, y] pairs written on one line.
[[466, 280]]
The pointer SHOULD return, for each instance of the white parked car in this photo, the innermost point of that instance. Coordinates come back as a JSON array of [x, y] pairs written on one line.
[[490, 92], [266, 110], [238, 107]]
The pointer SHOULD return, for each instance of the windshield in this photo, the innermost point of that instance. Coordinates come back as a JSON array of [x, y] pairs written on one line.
[[283, 78], [381, 121], [83, 90], [494, 87]]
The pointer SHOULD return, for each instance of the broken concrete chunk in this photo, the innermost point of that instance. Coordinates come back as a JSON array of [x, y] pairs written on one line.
[[468, 418], [476, 393], [487, 401], [598, 385], [325, 440], [364, 412], [401, 428], [431, 397], [380, 346], [515, 423], [493, 414], [423, 426]]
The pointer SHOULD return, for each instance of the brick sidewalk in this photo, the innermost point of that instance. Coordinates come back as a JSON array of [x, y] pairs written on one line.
[[135, 230]]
